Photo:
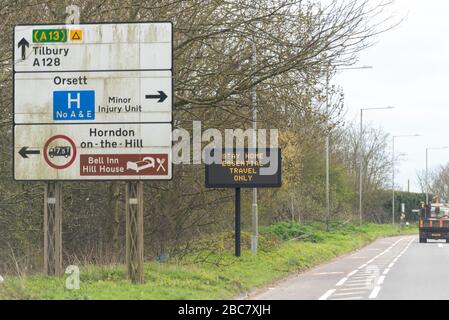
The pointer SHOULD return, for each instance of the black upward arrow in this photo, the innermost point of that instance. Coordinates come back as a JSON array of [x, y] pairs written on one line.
[[23, 43], [161, 96], [24, 152]]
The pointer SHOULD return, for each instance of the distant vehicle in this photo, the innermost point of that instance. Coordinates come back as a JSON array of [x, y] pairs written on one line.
[[60, 152], [434, 223]]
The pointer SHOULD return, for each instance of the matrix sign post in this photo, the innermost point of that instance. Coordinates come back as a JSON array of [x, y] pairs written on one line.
[[238, 219], [243, 168]]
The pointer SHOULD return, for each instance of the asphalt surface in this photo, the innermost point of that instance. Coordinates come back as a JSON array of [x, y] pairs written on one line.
[[389, 269]]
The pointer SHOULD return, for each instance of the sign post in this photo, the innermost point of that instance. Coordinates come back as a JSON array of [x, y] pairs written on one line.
[[53, 229], [237, 223], [94, 102], [243, 168], [134, 231]]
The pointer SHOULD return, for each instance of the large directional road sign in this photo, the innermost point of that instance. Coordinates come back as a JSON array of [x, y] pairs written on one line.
[[72, 79]]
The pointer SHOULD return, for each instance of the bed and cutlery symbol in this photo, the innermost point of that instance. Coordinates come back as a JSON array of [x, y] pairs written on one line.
[[146, 163], [161, 163]]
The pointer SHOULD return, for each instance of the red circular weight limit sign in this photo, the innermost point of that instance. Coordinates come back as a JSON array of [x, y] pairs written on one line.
[[68, 164]]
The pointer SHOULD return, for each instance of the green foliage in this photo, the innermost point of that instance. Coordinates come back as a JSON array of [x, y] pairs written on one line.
[[412, 201], [191, 278], [292, 231], [341, 193], [16, 289]]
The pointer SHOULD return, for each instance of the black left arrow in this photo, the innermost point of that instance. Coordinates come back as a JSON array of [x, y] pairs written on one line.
[[23, 43], [24, 152]]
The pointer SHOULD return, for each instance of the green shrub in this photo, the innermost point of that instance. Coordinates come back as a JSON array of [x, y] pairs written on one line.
[[293, 231]]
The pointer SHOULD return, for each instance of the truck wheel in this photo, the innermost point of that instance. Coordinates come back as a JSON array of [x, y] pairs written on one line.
[[422, 240]]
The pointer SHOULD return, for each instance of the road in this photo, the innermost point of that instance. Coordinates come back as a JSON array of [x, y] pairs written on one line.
[[389, 269]]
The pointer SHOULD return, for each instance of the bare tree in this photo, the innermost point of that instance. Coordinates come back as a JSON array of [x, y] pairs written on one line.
[[376, 164], [438, 182], [298, 43]]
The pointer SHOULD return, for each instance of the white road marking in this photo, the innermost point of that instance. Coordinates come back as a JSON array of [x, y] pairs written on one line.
[[352, 298], [348, 294], [353, 273], [358, 280], [355, 282], [327, 294], [366, 279], [327, 273], [354, 289], [375, 292], [381, 280], [365, 276], [341, 282], [440, 245]]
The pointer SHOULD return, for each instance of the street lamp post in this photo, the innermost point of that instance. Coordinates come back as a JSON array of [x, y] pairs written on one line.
[[254, 207], [328, 210], [427, 169], [361, 158], [393, 173]]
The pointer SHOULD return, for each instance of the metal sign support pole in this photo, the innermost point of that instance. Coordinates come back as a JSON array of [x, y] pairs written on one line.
[[134, 231], [53, 229], [237, 223]]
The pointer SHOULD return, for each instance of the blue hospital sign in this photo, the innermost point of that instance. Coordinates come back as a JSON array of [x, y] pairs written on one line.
[[74, 105]]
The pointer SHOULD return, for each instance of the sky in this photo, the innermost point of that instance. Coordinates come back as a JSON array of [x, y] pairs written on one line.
[[410, 72]]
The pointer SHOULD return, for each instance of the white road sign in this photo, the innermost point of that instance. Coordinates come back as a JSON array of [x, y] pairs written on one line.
[[93, 47], [97, 97], [93, 152], [93, 101]]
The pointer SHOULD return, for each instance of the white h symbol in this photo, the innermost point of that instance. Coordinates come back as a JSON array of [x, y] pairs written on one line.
[[77, 100]]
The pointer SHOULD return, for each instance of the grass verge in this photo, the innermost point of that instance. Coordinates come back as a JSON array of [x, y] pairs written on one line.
[[212, 273]]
